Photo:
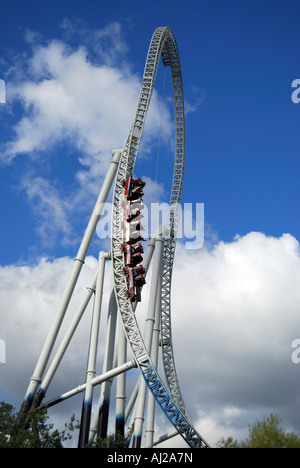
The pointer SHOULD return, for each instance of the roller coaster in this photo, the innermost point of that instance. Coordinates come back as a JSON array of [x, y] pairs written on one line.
[[130, 270]]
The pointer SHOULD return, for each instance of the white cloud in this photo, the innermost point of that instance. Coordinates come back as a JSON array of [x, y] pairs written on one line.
[[69, 97], [2, 92], [235, 313], [78, 101], [51, 210], [198, 98], [29, 299], [243, 317]]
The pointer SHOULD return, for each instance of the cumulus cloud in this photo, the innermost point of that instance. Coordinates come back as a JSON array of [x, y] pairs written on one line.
[[29, 298], [77, 96], [235, 315], [198, 97], [68, 96], [245, 313], [50, 208]]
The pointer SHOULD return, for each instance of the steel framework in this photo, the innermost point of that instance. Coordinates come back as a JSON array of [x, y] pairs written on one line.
[[158, 323]]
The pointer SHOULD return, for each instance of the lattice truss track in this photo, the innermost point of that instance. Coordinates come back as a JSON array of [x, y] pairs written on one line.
[[168, 395], [162, 45]]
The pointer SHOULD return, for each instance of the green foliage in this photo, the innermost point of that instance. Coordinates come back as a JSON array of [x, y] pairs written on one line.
[[112, 441], [37, 434], [264, 434], [228, 443], [34, 431]]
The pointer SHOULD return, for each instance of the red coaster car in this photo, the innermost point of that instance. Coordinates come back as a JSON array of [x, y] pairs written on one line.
[[132, 248], [134, 188]]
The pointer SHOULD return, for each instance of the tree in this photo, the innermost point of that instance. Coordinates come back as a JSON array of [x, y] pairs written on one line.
[[112, 441], [264, 434], [228, 443], [38, 434]]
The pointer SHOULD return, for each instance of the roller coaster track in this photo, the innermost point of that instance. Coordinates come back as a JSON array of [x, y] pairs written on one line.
[[162, 46]]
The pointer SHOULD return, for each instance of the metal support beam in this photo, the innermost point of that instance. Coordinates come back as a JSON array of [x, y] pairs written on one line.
[[102, 411], [149, 429], [65, 342], [150, 320], [91, 367], [164, 437], [79, 261], [121, 383], [95, 381]]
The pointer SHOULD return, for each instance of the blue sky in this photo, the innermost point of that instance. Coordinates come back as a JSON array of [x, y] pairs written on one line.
[[72, 73], [238, 59]]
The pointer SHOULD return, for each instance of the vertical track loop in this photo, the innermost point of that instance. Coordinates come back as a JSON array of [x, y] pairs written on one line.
[[162, 45]]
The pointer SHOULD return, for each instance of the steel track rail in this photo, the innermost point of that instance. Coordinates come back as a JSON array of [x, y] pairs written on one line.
[[162, 45]]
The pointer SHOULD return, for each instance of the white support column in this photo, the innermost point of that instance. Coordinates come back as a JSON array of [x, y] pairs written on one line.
[[95, 381], [165, 437], [132, 400], [150, 320], [149, 429], [122, 354], [121, 382], [66, 341], [100, 419], [79, 261], [91, 366]]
